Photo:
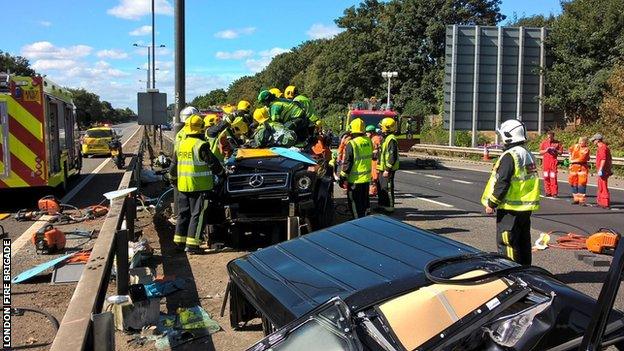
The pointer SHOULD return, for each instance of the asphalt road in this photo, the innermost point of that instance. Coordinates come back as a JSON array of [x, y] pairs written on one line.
[[98, 176], [447, 201]]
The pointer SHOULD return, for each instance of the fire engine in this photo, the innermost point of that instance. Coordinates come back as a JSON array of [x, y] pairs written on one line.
[[39, 137]]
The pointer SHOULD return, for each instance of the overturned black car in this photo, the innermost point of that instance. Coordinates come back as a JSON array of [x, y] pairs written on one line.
[[277, 193], [379, 284]]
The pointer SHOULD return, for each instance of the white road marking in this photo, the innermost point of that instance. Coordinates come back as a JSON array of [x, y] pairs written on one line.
[[432, 176], [461, 181], [409, 172], [19, 243], [435, 202], [85, 181]]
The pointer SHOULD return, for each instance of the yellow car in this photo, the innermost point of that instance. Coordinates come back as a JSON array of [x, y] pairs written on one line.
[[95, 141]]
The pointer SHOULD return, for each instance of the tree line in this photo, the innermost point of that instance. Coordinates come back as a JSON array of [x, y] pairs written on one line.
[[586, 44], [90, 109]]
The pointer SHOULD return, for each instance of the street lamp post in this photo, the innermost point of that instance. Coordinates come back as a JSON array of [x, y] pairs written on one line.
[[151, 63], [389, 76], [147, 87]]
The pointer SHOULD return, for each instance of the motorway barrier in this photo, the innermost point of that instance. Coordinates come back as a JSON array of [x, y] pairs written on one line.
[[429, 148], [76, 331]]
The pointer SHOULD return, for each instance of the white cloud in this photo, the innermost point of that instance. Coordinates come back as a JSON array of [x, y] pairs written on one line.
[[112, 54], [235, 33], [135, 9], [45, 23], [46, 50], [322, 31], [256, 65], [143, 30], [46, 65], [234, 55]]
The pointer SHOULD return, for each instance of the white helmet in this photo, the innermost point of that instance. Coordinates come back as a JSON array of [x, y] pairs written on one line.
[[186, 112], [512, 131]]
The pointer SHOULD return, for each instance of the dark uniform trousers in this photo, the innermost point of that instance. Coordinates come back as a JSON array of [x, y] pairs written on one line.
[[513, 235], [359, 201], [385, 192], [191, 216]]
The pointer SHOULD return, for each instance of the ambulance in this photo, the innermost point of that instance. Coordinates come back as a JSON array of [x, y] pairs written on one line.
[[39, 137]]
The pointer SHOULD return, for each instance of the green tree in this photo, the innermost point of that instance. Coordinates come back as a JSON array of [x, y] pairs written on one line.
[[88, 107], [213, 98], [586, 41], [15, 64], [531, 21], [244, 88]]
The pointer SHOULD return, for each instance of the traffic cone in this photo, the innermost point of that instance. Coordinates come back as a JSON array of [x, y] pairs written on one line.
[[486, 153]]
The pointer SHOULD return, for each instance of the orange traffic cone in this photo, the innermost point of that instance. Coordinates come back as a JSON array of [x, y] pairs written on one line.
[[486, 153]]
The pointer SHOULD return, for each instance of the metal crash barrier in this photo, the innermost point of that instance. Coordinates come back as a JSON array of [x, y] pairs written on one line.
[[431, 148], [76, 329]]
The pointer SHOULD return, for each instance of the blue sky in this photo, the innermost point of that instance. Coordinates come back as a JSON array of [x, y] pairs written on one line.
[[89, 43]]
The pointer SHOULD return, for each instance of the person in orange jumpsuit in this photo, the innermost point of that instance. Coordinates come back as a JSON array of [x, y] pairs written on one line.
[[550, 149], [376, 139], [603, 170], [579, 159]]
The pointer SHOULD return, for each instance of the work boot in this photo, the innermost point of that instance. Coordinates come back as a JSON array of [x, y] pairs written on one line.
[[193, 250]]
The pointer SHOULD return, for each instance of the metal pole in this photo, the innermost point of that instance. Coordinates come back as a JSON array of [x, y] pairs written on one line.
[[453, 83], [147, 83], [475, 87], [123, 275], [520, 72], [149, 67], [388, 103], [180, 84], [540, 112], [153, 46], [499, 81]]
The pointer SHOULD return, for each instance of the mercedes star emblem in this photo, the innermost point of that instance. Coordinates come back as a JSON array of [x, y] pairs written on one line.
[[256, 180]]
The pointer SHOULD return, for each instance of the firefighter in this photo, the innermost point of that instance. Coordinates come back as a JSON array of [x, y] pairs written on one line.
[[603, 170], [376, 140], [270, 133], [550, 149], [226, 137], [344, 140], [513, 191], [243, 109], [292, 93], [287, 113], [356, 169], [195, 167], [388, 164], [180, 135], [579, 170]]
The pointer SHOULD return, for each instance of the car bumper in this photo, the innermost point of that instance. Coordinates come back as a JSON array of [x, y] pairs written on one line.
[[90, 150]]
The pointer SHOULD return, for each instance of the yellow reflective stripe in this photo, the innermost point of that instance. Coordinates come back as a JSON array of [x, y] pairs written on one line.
[[23, 153], [510, 252], [192, 241], [505, 236], [525, 177], [194, 174], [179, 239], [26, 119]]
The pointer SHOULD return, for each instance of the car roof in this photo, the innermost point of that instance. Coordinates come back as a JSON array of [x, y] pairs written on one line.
[[100, 128], [363, 261]]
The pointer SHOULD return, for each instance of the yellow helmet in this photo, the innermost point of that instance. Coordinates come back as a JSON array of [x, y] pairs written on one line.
[[228, 109], [194, 124], [276, 92], [357, 126], [210, 120], [260, 115], [243, 105], [239, 126], [388, 125], [290, 92]]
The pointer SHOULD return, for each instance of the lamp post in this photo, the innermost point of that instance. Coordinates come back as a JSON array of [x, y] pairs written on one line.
[[151, 63], [389, 76], [147, 82]]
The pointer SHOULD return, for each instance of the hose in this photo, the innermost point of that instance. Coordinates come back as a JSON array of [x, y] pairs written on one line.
[[19, 311], [478, 280]]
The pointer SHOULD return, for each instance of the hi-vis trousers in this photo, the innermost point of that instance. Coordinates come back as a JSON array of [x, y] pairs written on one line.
[[191, 218], [513, 235]]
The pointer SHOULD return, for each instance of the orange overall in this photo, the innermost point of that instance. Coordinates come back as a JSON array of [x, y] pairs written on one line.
[[376, 139], [579, 158]]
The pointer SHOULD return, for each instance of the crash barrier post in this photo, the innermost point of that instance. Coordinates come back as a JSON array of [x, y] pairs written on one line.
[[76, 331], [617, 161]]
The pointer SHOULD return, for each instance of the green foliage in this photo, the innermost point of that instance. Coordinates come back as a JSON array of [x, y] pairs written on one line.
[[213, 98], [586, 41], [15, 64], [433, 132], [90, 110], [531, 21]]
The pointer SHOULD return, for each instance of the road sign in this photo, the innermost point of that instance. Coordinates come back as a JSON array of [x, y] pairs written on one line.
[[152, 108]]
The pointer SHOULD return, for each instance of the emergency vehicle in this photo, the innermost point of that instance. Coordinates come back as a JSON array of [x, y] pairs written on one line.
[[39, 137], [372, 114]]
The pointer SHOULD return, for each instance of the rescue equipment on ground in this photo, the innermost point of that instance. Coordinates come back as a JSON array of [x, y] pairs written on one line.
[[49, 205], [604, 241], [48, 240]]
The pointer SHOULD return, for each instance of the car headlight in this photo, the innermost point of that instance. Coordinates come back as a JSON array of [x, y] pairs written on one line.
[[304, 183]]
